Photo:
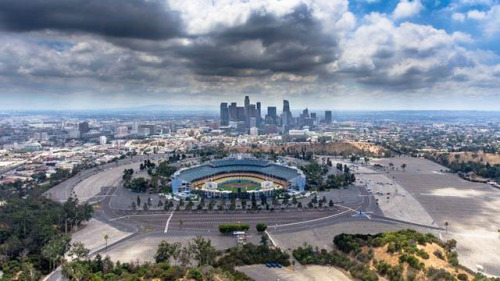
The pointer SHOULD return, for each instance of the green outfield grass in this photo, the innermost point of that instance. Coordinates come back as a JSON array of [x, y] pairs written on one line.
[[233, 186]]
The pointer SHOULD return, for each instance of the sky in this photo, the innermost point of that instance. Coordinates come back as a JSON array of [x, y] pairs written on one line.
[[325, 54]]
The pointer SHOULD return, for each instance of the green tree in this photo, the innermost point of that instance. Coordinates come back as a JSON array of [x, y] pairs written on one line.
[[261, 227], [55, 249], [203, 251]]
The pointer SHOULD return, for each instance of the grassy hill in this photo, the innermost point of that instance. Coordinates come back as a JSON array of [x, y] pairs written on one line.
[[394, 256]]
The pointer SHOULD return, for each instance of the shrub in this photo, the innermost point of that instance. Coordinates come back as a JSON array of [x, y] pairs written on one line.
[[439, 254], [462, 277], [423, 254], [261, 227], [230, 227]]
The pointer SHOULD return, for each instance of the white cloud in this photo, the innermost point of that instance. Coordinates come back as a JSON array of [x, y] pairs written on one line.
[[458, 17], [476, 15], [406, 9], [205, 16]]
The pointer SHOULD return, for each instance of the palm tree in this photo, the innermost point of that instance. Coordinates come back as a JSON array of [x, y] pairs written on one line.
[[180, 223], [106, 237], [446, 225]]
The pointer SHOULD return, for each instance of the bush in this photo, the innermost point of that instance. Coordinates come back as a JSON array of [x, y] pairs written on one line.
[[423, 254], [462, 277], [261, 227], [439, 254], [231, 227]]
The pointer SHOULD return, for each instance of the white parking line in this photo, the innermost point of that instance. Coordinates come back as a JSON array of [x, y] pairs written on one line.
[[271, 238], [168, 221], [132, 216], [318, 219]]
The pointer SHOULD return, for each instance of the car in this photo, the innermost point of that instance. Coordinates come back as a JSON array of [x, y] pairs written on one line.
[[268, 265], [278, 265]]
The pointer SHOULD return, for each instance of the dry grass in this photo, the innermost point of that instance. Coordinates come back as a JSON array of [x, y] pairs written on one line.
[[479, 157], [381, 254], [333, 148]]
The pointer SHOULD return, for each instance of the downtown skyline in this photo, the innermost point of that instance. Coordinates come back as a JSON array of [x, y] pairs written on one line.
[[338, 55]]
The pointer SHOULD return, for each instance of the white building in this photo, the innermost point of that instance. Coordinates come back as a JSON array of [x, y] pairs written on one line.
[[103, 140], [254, 131]]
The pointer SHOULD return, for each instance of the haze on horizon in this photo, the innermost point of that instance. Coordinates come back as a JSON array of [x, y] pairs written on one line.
[[338, 54]]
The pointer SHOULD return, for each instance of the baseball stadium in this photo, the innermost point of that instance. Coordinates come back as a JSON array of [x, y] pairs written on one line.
[[237, 177]]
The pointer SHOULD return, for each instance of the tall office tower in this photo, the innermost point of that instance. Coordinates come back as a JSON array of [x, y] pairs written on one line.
[[224, 114], [271, 117], [83, 127], [305, 113], [286, 106], [328, 117], [252, 111], [247, 109], [240, 113], [286, 116], [233, 112], [259, 114], [313, 115]]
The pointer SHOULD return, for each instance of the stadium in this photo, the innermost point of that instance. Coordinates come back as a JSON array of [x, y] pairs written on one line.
[[237, 177]]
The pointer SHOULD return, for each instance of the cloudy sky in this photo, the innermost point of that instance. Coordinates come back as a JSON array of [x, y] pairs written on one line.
[[337, 54]]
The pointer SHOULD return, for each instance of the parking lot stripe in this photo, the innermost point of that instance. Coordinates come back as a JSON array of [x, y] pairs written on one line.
[[168, 221]]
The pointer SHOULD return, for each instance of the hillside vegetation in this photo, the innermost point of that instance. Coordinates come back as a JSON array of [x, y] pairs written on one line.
[[320, 148], [394, 256]]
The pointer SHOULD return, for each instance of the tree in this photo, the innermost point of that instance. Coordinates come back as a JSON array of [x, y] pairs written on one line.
[[138, 200], [78, 251], [261, 227], [106, 237], [403, 166], [446, 223], [203, 251], [330, 204], [55, 249], [166, 250]]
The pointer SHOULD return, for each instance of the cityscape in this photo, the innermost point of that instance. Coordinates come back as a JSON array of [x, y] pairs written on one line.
[[249, 140]]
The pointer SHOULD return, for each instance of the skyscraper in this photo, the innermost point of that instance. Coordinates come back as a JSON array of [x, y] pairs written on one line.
[[259, 114], [83, 127], [233, 112], [224, 114], [247, 110], [271, 117], [328, 117], [286, 116]]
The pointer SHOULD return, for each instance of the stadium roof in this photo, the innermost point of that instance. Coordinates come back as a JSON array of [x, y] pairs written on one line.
[[238, 165]]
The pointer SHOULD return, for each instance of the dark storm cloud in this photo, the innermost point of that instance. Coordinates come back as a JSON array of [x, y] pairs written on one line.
[[114, 18], [265, 44]]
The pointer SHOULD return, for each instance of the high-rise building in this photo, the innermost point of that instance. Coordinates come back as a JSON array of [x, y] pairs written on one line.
[[247, 109], [313, 115], [259, 114], [240, 113], [224, 114], [83, 127], [305, 113], [286, 117], [233, 112], [271, 117], [328, 117]]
